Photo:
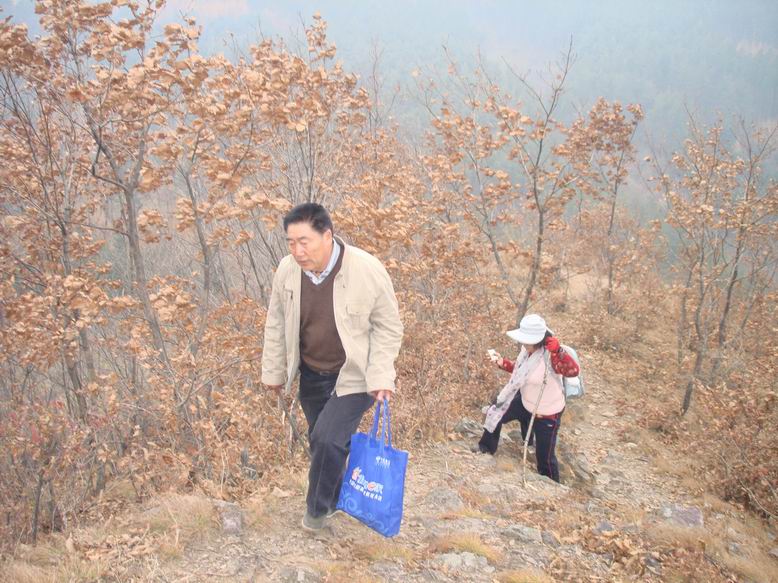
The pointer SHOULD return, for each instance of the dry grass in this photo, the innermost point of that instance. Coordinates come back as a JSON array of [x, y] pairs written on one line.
[[466, 542], [507, 464], [523, 576], [341, 572], [172, 521], [50, 562], [754, 564], [687, 472], [299, 482], [671, 535], [120, 490], [716, 504], [471, 497], [466, 512], [571, 520], [758, 566], [176, 520], [381, 550], [187, 515], [258, 511]]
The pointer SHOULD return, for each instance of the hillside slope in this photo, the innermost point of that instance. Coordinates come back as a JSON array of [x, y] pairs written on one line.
[[618, 516]]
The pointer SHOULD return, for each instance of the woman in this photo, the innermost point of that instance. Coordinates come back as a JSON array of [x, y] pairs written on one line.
[[533, 387]]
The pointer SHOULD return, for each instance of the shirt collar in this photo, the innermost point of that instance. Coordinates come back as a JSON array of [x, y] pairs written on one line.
[[318, 279]]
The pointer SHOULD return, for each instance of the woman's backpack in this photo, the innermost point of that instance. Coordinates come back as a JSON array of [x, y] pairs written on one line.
[[574, 386]]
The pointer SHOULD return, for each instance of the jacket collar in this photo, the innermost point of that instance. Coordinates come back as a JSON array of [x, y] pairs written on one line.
[[293, 282]]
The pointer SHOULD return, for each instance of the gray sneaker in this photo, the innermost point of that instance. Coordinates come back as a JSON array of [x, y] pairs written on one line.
[[313, 523]]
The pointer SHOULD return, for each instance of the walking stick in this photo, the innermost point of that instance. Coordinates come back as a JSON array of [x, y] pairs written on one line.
[[532, 422], [288, 413]]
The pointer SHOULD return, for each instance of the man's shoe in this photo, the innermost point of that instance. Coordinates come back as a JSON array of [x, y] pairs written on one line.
[[313, 523]]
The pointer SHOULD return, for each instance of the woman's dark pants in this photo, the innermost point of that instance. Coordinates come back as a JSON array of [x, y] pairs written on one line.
[[331, 422], [544, 431]]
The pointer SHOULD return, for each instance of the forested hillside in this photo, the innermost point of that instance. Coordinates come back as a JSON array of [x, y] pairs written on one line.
[[142, 187]]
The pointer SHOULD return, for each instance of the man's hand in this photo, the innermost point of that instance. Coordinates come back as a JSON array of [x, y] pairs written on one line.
[[382, 394]]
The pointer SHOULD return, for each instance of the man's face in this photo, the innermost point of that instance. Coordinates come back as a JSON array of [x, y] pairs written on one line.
[[309, 248]]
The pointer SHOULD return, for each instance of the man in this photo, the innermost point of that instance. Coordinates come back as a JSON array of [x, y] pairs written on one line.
[[333, 316]]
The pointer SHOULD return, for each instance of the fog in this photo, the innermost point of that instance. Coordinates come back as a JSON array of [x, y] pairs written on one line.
[[713, 59]]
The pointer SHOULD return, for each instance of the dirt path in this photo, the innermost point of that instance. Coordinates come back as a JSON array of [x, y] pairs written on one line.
[[617, 516], [468, 517]]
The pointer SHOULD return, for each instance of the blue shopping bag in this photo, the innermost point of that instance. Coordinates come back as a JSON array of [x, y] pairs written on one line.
[[374, 482]]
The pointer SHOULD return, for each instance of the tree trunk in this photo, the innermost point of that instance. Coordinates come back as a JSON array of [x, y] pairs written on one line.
[[37, 507], [610, 258], [684, 317], [533, 274]]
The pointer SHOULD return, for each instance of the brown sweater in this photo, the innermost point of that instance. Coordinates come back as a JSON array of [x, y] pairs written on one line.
[[320, 346]]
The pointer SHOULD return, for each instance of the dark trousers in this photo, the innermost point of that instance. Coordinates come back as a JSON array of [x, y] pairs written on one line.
[[331, 422], [544, 431]]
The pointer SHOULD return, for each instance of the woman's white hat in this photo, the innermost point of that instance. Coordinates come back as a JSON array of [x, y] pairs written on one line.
[[531, 330]]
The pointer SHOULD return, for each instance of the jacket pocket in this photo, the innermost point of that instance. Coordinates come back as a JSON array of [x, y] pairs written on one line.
[[359, 317]]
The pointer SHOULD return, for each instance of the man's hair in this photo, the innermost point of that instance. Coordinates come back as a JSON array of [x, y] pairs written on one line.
[[312, 213]]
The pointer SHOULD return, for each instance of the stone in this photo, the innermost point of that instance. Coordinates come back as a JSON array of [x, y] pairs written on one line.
[[598, 493], [732, 533], [467, 561], [523, 533], [231, 517], [489, 489], [609, 414], [550, 539], [774, 552], [577, 431], [467, 426], [583, 464], [653, 564], [604, 526], [388, 571], [298, 575], [444, 499], [492, 509], [690, 516], [735, 548], [484, 460], [457, 525]]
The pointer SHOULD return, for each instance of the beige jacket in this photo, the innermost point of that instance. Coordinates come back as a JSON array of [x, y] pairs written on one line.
[[366, 315]]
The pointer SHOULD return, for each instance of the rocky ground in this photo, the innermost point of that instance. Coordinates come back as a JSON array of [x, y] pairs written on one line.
[[469, 517], [618, 516]]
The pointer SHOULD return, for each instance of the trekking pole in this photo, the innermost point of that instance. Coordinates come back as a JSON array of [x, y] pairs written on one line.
[[532, 423]]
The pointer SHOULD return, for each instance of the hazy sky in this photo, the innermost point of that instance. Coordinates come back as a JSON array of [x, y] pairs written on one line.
[[715, 57]]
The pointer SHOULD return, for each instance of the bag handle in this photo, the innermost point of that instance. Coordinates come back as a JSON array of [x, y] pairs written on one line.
[[386, 426], [374, 431]]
